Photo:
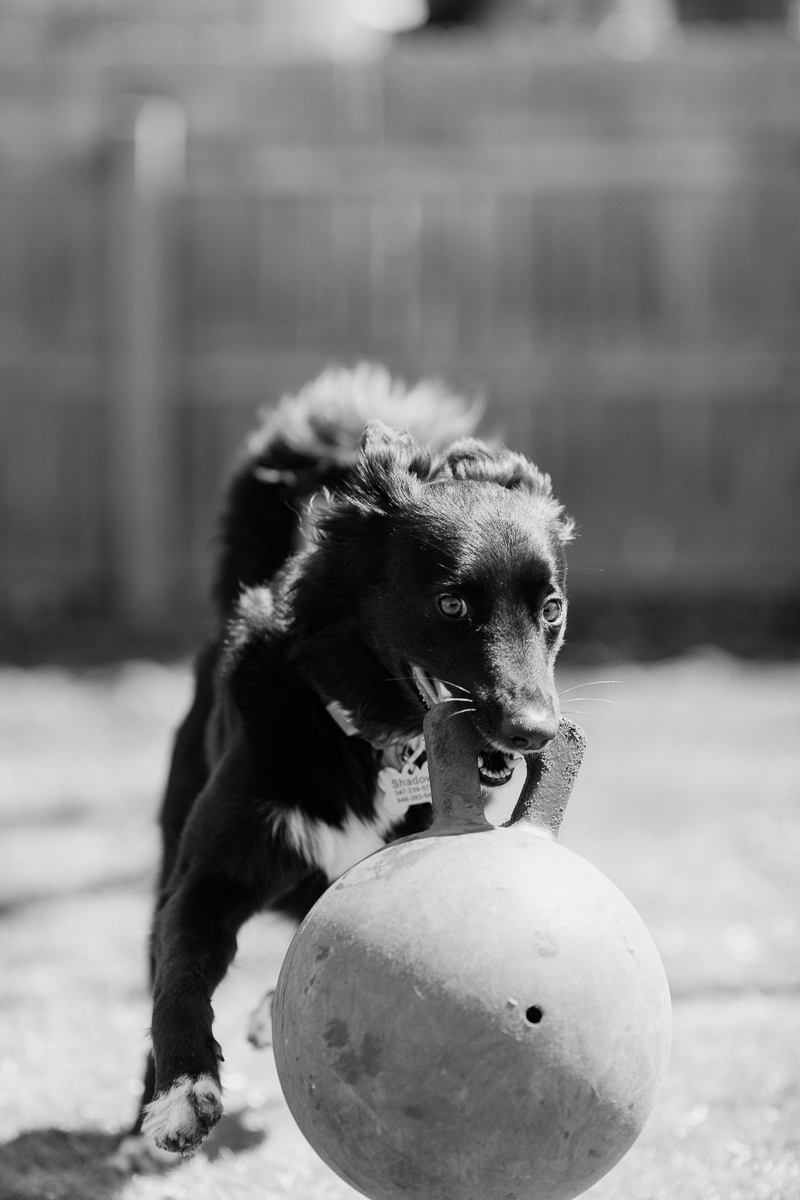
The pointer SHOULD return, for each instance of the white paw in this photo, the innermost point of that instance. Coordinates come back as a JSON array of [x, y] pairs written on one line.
[[259, 1027], [181, 1119]]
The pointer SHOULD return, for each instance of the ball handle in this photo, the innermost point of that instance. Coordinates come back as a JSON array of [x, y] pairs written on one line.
[[549, 782], [453, 743]]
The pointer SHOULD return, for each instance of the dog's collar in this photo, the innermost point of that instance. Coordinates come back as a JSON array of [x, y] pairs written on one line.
[[404, 778], [343, 719]]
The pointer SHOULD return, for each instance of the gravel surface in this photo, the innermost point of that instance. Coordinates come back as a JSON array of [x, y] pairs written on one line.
[[689, 798]]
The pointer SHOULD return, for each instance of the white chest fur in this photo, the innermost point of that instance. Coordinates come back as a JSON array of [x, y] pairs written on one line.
[[335, 849]]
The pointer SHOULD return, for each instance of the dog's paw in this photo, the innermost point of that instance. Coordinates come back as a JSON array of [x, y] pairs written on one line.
[[181, 1119], [136, 1155], [259, 1027]]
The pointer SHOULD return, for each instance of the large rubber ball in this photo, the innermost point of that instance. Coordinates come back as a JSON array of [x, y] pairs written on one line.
[[476, 1016]]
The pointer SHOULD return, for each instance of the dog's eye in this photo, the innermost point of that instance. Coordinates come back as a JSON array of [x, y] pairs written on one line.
[[552, 612], [451, 606]]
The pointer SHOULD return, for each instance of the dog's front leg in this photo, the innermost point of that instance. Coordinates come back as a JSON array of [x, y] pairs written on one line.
[[195, 942]]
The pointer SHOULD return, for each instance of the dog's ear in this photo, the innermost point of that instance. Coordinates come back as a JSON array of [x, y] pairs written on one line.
[[388, 472], [351, 534], [473, 459], [565, 526], [386, 452]]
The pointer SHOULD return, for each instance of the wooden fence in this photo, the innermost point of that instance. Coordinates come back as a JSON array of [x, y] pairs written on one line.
[[609, 251]]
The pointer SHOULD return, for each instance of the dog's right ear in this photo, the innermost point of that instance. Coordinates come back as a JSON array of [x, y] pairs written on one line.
[[389, 467], [387, 450], [351, 534]]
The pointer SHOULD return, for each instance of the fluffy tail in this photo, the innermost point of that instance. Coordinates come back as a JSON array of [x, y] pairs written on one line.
[[310, 441]]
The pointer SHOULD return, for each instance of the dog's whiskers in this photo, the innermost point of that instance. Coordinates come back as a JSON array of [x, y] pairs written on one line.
[[578, 712], [592, 683], [459, 713], [446, 682], [449, 683], [594, 699]]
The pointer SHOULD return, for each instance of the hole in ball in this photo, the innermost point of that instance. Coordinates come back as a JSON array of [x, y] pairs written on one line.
[[533, 1015]]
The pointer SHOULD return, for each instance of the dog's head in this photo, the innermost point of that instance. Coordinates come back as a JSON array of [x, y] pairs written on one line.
[[438, 581]]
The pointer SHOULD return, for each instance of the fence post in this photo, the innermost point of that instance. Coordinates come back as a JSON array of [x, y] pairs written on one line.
[[149, 171]]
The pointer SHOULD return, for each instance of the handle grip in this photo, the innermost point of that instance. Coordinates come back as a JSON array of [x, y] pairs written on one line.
[[453, 744]]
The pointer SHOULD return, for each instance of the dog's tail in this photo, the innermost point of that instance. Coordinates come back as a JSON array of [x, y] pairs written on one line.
[[308, 442]]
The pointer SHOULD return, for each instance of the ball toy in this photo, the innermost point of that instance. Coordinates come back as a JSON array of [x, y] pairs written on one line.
[[474, 1013]]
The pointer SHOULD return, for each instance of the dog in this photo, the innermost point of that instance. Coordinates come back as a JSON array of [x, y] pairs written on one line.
[[375, 558]]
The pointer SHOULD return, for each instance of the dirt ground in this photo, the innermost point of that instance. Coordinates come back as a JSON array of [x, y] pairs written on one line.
[[689, 799]]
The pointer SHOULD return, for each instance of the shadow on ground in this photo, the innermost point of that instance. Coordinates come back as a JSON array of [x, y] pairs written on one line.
[[59, 1164]]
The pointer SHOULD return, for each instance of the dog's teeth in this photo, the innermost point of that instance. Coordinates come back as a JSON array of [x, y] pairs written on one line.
[[428, 687]]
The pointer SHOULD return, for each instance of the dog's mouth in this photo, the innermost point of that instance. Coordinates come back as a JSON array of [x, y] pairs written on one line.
[[495, 767]]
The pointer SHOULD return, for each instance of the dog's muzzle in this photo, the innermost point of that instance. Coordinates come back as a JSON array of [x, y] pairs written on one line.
[[495, 766]]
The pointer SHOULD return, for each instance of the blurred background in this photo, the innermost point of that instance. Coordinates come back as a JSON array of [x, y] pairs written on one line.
[[586, 210]]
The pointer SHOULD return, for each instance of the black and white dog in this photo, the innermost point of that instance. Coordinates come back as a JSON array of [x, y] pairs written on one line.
[[365, 572]]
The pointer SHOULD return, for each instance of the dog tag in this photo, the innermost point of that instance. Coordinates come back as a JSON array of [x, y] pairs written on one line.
[[404, 780]]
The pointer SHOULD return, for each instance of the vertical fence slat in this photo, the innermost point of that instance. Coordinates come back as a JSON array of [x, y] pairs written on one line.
[[149, 174], [276, 255], [350, 275], [513, 274], [395, 274]]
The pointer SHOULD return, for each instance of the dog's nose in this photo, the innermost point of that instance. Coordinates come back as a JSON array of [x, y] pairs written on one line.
[[530, 731]]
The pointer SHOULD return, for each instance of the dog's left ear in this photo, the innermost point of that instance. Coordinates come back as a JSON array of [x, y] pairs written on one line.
[[473, 459]]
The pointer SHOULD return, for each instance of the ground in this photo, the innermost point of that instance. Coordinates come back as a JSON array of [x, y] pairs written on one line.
[[689, 798]]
